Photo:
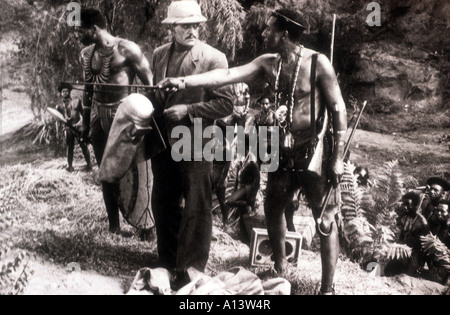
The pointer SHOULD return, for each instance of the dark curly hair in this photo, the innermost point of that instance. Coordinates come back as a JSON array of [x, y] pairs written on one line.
[[290, 21], [412, 196], [91, 17]]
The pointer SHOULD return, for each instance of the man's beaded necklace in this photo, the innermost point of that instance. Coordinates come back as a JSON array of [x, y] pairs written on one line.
[[291, 101], [105, 72], [278, 93]]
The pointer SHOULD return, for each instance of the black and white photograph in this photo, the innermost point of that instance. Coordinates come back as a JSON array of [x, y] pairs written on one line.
[[224, 152]]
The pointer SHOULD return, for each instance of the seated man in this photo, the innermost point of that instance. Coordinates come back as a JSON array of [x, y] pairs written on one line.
[[72, 110], [247, 183], [412, 226], [437, 246], [441, 228], [241, 101], [436, 188]]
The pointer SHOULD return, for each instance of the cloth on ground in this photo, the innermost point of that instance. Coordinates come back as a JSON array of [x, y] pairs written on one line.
[[237, 281]]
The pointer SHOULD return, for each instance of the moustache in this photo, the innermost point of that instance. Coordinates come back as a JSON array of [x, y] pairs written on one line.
[[191, 37]]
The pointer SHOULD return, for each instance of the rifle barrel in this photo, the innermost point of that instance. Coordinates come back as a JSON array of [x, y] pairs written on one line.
[[150, 87], [330, 189], [350, 139]]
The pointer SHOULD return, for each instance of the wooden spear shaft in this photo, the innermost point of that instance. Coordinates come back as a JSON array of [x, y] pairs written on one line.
[[333, 34]]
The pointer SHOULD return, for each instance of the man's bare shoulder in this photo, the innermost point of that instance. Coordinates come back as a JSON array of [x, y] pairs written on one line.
[[129, 49], [267, 58], [421, 219], [324, 65]]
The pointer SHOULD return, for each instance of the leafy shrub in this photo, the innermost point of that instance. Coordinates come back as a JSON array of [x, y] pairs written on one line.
[[369, 216], [439, 255]]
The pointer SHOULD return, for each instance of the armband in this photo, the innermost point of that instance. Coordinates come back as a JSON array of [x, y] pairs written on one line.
[[339, 108], [182, 84]]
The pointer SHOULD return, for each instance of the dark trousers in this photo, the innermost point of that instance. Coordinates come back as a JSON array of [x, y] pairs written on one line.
[[70, 140], [182, 206]]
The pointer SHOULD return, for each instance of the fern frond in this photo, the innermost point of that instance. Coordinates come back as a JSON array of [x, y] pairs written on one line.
[[397, 252], [351, 194], [358, 233], [385, 194], [435, 249]]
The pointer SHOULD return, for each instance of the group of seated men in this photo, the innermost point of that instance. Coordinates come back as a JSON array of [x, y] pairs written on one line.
[[420, 215]]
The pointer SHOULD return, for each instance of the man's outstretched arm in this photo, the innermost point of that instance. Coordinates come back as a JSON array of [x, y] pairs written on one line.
[[220, 77]]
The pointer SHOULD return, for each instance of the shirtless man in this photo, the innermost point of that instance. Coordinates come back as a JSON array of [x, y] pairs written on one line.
[[436, 188], [442, 228], [107, 60], [412, 226], [72, 110], [293, 88]]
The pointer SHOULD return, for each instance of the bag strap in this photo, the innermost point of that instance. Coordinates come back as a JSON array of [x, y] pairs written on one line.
[[313, 93]]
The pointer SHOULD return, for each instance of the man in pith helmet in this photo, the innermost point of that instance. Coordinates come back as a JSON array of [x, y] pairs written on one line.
[[182, 191]]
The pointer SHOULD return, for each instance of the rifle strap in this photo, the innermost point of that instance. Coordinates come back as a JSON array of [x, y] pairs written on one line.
[[313, 93]]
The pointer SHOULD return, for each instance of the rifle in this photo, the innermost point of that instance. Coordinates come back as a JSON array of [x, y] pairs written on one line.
[[136, 86], [315, 165], [330, 189]]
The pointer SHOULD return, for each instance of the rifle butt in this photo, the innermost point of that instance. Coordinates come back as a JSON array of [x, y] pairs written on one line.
[[315, 165]]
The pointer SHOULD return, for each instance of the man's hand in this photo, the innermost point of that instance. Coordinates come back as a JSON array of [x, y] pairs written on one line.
[[337, 170], [84, 132], [176, 113], [171, 84], [81, 128]]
